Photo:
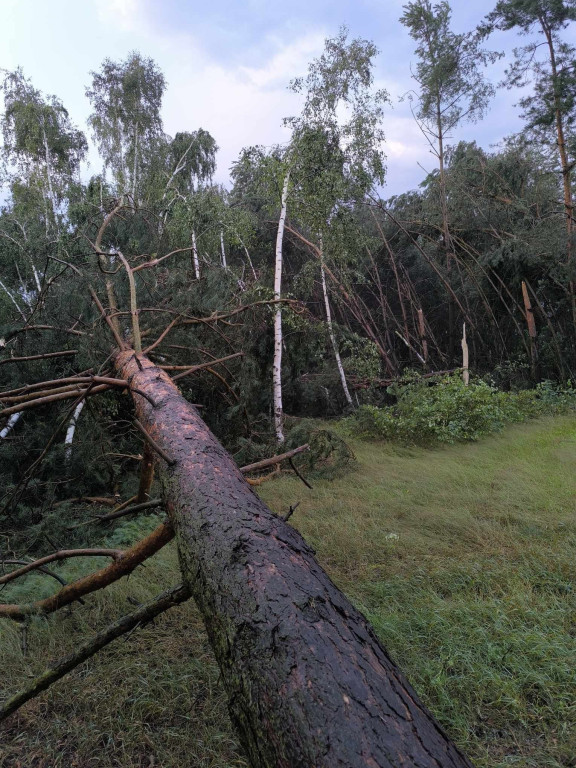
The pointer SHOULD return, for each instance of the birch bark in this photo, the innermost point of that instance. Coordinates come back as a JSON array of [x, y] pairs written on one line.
[[71, 430], [11, 423], [195, 256], [277, 364], [223, 250]]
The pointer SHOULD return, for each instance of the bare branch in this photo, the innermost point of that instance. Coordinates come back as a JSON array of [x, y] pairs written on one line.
[[153, 443], [63, 554], [136, 338], [111, 324], [64, 353], [132, 557], [202, 366], [122, 512], [53, 398], [273, 460], [142, 615]]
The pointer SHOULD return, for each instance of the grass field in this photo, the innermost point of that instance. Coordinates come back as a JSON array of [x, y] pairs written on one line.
[[464, 559]]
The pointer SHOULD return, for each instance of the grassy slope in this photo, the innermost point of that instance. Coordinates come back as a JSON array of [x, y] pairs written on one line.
[[464, 560]]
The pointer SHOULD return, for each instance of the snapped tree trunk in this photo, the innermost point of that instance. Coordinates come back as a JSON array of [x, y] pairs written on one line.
[[308, 683], [195, 258], [69, 439]]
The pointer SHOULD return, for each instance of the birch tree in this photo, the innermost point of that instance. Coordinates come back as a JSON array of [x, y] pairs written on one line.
[[191, 163], [337, 159], [126, 97], [42, 148]]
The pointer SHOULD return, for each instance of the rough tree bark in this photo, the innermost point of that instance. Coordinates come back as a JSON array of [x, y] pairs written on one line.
[[308, 683]]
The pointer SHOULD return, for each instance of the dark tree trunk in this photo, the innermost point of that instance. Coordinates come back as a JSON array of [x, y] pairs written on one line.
[[308, 682]]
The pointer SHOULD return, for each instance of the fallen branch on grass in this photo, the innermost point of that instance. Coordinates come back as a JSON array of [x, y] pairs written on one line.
[[123, 566], [163, 602], [273, 460]]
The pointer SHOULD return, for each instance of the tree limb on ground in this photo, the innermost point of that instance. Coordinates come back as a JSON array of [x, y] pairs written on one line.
[[123, 566], [163, 602]]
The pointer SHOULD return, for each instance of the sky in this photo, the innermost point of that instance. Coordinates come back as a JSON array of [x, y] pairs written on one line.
[[228, 64]]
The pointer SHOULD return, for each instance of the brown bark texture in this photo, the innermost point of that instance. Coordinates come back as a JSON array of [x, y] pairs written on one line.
[[307, 681]]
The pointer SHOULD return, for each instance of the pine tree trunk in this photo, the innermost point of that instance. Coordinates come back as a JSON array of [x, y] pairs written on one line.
[[277, 363], [307, 681]]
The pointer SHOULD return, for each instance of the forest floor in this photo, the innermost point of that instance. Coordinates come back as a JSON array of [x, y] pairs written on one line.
[[463, 558]]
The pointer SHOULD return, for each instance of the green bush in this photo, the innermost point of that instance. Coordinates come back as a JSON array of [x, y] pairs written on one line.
[[447, 411]]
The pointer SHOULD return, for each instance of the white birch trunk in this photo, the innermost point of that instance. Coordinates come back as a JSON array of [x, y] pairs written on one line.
[[331, 330], [11, 423], [135, 166], [180, 165], [222, 249], [277, 364], [8, 293], [195, 256], [36, 276], [71, 430], [465, 362], [250, 262]]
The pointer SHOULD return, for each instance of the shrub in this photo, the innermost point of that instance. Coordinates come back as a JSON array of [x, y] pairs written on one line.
[[448, 411]]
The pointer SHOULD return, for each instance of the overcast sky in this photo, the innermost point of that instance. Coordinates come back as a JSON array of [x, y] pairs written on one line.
[[228, 64]]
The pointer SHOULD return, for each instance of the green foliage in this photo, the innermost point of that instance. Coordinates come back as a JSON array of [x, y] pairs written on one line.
[[452, 87], [329, 455], [448, 411], [126, 98], [552, 73]]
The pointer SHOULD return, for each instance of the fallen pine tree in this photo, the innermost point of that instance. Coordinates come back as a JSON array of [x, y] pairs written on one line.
[[308, 682]]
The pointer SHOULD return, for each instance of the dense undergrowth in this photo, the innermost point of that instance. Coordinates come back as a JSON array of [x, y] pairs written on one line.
[[447, 411], [463, 557]]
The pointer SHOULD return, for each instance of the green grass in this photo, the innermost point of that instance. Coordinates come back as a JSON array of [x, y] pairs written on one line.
[[464, 559]]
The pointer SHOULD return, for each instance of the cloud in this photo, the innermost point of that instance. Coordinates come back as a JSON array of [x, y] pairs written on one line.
[[125, 14], [290, 60], [239, 105]]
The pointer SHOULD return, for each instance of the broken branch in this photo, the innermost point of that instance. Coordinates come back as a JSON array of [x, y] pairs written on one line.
[[122, 626], [132, 557], [153, 444], [63, 554], [274, 459], [64, 353]]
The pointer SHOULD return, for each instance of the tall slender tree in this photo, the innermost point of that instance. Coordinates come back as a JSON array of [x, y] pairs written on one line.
[[338, 159], [550, 109], [126, 97], [451, 90], [42, 148]]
